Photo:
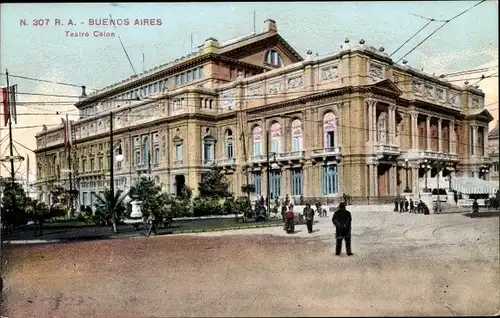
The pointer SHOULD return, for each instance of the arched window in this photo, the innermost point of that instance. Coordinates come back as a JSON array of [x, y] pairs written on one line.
[[273, 58], [329, 130], [296, 135], [145, 150], [382, 128], [208, 149], [257, 141], [276, 138], [229, 144]]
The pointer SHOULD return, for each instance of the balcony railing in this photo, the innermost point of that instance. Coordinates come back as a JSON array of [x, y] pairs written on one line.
[[208, 162], [178, 162], [226, 162], [292, 155], [387, 149], [432, 155], [259, 159], [326, 152]]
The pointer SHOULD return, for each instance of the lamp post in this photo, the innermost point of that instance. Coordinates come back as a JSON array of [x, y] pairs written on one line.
[[119, 158], [483, 171], [407, 189], [438, 170], [426, 168]]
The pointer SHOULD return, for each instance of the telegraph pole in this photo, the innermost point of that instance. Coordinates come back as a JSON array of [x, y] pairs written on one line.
[[11, 149], [268, 175], [111, 156], [70, 135], [27, 175]]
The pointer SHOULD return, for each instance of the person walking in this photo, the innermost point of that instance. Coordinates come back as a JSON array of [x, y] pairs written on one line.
[[412, 206], [342, 220], [308, 213], [151, 224]]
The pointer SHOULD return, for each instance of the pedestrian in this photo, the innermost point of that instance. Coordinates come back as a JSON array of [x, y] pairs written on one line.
[[309, 216], [342, 220], [396, 205], [406, 205], [475, 207], [151, 224], [290, 221], [412, 206], [401, 205]]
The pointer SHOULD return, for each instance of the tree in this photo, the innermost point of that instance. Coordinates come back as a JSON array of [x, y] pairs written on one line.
[[38, 212], [13, 204], [111, 206], [214, 185]]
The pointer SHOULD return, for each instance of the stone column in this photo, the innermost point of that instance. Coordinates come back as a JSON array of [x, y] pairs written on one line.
[[440, 140], [452, 136], [369, 105], [370, 180], [414, 130], [375, 179], [474, 139], [392, 124], [428, 134], [374, 122], [485, 142], [286, 182]]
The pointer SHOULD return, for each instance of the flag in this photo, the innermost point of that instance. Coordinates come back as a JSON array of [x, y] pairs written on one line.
[[5, 104], [12, 102]]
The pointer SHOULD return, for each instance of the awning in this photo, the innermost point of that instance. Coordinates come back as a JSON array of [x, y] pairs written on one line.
[[469, 185]]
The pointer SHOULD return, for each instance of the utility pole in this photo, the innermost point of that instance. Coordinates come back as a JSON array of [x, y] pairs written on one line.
[[27, 175], [111, 156], [12, 172], [438, 198], [149, 165], [268, 175], [70, 135]]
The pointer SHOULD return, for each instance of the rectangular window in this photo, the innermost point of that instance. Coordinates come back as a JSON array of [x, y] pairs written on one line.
[[183, 78], [200, 73], [84, 165], [275, 145], [100, 163], [275, 183], [329, 180], [156, 87], [150, 89], [92, 165], [229, 150], [196, 74], [296, 144], [189, 76], [330, 139], [177, 80], [257, 182], [157, 156], [257, 148], [137, 157], [297, 182], [178, 152], [208, 153]]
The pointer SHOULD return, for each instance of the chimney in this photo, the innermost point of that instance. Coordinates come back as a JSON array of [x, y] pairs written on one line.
[[271, 25], [84, 94], [210, 45]]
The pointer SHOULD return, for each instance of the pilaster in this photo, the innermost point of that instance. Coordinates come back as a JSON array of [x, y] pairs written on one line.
[[451, 136], [414, 130], [392, 124], [428, 135], [440, 139], [474, 139]]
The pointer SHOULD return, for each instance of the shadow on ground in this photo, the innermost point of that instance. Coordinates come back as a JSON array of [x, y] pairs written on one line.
[[489, 214]]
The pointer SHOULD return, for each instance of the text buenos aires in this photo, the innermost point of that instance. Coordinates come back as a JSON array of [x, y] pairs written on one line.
[[144, 22]]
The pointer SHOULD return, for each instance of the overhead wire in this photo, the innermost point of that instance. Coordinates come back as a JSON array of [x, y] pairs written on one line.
[[46, 81], [411, 37], [444, 23]]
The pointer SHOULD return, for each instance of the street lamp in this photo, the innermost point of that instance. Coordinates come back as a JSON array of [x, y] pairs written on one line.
[[426, 168], [483, 171], [407, 189], [450, 170], [270, 166]]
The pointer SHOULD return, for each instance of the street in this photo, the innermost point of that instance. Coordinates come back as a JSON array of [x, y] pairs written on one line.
[[403, 264]]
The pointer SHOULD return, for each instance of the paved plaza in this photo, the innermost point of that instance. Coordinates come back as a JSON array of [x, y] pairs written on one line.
[[404, 264]]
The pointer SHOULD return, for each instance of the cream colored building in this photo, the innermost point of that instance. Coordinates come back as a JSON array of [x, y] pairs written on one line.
[[494, 154], [340, 123]]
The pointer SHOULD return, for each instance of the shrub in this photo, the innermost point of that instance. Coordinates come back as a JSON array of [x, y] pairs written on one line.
[[207, 206]]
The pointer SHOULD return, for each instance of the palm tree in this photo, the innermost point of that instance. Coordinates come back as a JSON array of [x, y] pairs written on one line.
[[112, 206]]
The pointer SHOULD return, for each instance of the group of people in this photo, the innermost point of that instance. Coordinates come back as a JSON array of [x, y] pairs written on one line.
[[341, 219], [405, 205]]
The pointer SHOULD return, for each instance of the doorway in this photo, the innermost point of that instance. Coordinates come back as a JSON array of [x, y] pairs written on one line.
[[180, 183]]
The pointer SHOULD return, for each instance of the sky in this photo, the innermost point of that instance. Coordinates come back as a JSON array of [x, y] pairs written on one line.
[[41, 49]]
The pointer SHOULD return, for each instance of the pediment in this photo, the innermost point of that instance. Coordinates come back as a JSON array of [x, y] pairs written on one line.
[[483, 115], [389, 86]]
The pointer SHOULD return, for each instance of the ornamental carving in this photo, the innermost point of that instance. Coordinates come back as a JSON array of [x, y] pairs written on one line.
[[416, 85], [256, 91], [295, 82], [376, 71], [440, 94], [274, 88], [454, 99], [475, 102], [429, 91], [329, 73], [228, 100]]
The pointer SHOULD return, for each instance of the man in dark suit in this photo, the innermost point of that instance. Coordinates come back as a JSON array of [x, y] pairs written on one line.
[[342, 220], [309, 216]]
